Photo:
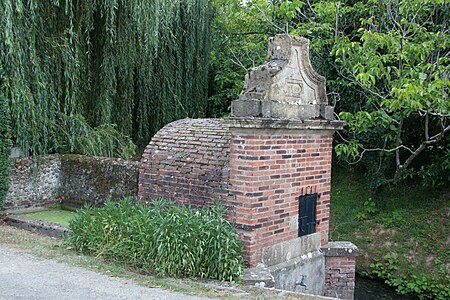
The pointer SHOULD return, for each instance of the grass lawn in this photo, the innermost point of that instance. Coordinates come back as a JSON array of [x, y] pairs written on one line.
[[409, 222], [58, 216]]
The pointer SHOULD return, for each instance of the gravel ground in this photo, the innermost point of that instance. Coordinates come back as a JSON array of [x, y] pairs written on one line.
[[23, 276]]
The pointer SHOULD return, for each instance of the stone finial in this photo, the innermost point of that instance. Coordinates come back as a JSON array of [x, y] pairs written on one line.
[[286, 86]]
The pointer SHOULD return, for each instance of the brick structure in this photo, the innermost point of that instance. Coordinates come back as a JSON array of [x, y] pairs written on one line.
[[272, 165], [340, 262], [258, 168], [188, 161], [262, 163]]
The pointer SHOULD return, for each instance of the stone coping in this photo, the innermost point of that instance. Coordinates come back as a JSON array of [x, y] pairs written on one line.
[[285, 251], [340, 249], [39, 226], [272, 123]]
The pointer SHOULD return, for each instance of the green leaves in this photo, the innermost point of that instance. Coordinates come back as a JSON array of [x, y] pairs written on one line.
[[171, 239], [393, 60], [288, 9], [426, 286], [5, 145], [131, 66], [351, 149]]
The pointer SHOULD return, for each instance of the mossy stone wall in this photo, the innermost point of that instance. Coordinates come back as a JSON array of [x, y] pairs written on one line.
[[94, 180], [72, 180]]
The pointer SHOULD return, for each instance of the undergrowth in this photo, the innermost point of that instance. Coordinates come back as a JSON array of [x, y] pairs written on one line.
[[164, 237], [424, 286], [401, 231]]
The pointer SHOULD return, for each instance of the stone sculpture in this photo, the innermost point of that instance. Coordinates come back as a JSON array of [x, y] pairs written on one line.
[[286, 86]]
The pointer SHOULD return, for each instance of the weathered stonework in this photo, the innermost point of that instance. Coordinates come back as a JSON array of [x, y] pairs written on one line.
[[39, 226], [33, 183], [286, 86], [69, 179], [94, 180]]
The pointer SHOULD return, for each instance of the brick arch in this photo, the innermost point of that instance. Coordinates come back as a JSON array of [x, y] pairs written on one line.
[[187, 160]]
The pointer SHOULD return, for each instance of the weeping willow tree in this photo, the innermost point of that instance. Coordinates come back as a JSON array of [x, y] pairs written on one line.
[[81, 76], [5, 147]]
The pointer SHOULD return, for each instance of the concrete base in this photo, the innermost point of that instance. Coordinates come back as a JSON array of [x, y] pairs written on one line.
[[305, 274], [289, 250], [259, 276], [42, 227], [297, 265]]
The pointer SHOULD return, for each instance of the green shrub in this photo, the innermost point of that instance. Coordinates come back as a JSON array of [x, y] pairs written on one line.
[[424, 287], [165, 237], [5, 149]]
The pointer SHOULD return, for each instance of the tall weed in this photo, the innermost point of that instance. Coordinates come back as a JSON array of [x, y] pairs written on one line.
[[165, 237]]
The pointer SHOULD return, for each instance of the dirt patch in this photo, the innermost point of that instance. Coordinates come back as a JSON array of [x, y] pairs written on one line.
[[381, 231]]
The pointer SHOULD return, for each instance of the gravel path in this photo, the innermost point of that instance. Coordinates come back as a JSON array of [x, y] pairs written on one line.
[[23, 276]]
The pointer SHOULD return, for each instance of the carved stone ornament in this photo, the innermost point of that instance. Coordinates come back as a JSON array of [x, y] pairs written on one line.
[[286, 86]]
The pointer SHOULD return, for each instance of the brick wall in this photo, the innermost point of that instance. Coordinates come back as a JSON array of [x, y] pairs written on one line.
[[269, 171], [340, 264], [188, 161], [257, 167]]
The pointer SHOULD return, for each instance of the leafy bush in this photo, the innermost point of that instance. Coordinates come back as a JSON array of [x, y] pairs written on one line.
[[170, 239], [369, 209], [425, 287], [5, 150]]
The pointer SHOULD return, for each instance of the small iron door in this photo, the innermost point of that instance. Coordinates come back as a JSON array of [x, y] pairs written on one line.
[[307, 214]]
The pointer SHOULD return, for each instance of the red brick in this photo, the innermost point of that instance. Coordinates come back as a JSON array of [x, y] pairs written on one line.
[[262, 176]]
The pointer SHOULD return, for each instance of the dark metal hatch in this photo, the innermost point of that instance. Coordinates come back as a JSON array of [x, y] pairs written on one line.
[[307, 214]]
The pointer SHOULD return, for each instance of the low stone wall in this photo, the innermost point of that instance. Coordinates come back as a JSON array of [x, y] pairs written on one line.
[[39, 226], [33, 183], [71, 179], [97, 179]]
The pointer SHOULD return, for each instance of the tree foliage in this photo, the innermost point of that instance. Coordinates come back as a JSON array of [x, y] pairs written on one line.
[[399, 60], [81, 76], [5, 147], [387, 69], [239, 43]]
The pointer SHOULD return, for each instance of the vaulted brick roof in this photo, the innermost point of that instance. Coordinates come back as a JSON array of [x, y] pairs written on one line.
[[187, 160]]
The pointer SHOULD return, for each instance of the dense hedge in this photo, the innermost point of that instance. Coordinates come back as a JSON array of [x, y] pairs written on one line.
[[170, 239], [5, 150]]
